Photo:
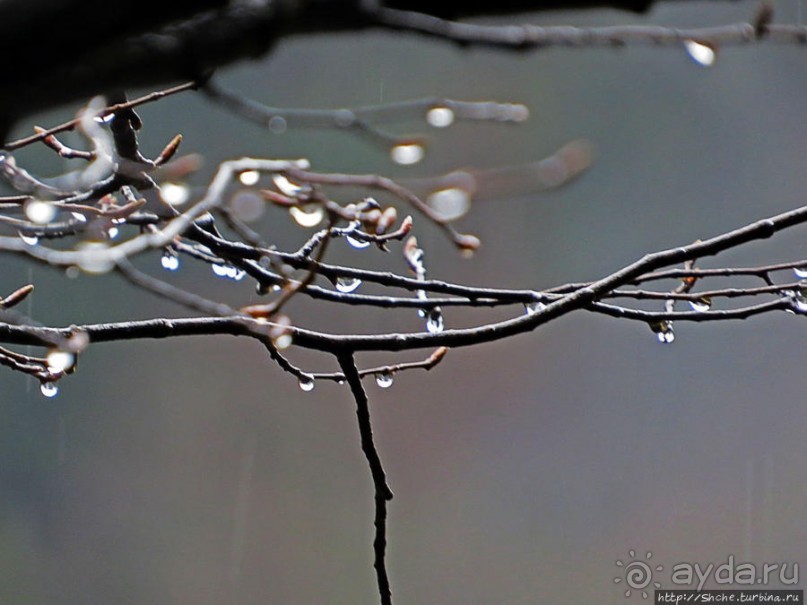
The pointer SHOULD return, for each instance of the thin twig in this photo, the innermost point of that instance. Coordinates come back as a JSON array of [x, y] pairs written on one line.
[[382, 491]]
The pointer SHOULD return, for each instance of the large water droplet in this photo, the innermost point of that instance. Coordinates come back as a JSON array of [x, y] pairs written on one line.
[[174, 193], [247, 205], [800, 272], [49, 389], [170, 262], [347, 284], [93, 258], [800, 301], [40, 212], [306, 383], [359, 244], [60, 361], [666, 337], [277, 124], [285, 186], [440, 117], [407, 154], [249, 177], [701, 305], [283, 342], [31, 240], [702, 53], [434, 321], [307, 218], [221, 270], [534, 307], [113, 232], [663, 331], [449, 203], [384, 380]]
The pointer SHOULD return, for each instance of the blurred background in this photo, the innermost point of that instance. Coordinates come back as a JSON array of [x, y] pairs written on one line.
[[195, 471]]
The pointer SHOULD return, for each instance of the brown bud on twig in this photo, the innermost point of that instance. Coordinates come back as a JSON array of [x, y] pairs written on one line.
[[168, 152], [16, 297]]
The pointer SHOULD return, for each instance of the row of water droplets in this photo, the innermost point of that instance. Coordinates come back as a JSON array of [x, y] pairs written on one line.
[[384, 379]]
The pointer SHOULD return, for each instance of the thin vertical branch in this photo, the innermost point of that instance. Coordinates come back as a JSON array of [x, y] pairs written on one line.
[[382, 490]]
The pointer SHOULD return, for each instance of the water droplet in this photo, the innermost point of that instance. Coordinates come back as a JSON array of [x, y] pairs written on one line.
[[384, 379], [666, 337], [221, 270], [663, 331], [283, 342], [434, 321], [449, 204], [310, 218], [113, 232], [440, 117], [701, 52], [174, 193], [277, 124], [306, 383], [79, 217], [247, 206], [170, 262], [347, 284], [801, 272], [407, 154], [359, 244], [285, 186], [31, 240], [93, 258], [800, 301], [49, 389], [40, 212], [534, 307], [60, 361], [249, 177], [701, 305]]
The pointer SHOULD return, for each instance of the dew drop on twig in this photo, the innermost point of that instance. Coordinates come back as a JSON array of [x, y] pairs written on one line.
[[40, 212], [800, 272], [170, 262], [94, 258], [307, 218], [384, 380], [306, 384], [49, 389], [534, 307], [450, 203], [249, 177], [440, 117], [407, 154], [702, 53], [359, 244], [220, 270], [31, 240], [286, 187], [434, 321], [701, 304], [347, 284], [60, 361], [174, 193]]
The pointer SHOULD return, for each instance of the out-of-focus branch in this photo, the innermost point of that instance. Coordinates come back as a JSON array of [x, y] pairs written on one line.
[[68, 50]]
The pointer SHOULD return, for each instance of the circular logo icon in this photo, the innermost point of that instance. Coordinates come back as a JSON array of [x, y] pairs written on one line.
[[637, 574]]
